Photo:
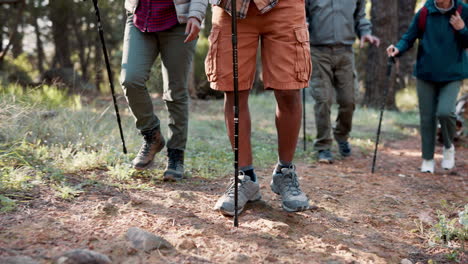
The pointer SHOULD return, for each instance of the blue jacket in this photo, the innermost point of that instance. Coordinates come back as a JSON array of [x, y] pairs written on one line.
[[441, 49]]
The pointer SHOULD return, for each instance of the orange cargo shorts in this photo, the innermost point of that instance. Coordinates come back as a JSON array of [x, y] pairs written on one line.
[[285, 48]]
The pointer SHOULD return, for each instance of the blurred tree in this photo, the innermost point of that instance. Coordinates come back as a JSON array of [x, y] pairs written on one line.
[[390, 21], [60, 17], [405, 16], [384, 16]]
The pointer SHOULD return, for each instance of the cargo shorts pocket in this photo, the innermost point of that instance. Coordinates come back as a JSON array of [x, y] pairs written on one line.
[[303, 64], [211, 58]]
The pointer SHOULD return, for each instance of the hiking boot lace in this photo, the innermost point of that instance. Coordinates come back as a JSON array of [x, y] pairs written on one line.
[[344, 145], [146, 147], [291, 183], [231, 190], [174, 158]]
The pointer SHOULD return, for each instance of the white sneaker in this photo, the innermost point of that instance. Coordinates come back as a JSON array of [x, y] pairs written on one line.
[[428, 166], [449, 158]]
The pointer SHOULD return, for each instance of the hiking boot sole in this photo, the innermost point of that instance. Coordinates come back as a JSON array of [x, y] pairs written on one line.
[[224, 212], [345, 154], [325, 161], [173, 176], [287, 209], [142, 168], [293, 210]]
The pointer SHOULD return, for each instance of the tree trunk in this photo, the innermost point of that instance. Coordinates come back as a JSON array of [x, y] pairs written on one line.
[[60, 20], [405, 69], [384, 14], [14, 30], [39, 44], [76, 24], [17, 40]]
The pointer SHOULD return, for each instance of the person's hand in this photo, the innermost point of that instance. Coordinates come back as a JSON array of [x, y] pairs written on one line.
[[457, 22], [371, 39], [192, 29], [392, 51]]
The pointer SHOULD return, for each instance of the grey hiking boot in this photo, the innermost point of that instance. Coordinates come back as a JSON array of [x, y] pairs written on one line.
[[325, 156], [175, 165], [154, 142], [249, 191], [286, 184], [344, 148]]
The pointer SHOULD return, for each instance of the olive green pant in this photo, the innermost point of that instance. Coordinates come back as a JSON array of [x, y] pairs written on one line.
[[333, 73], [436, 103], [140, 50]]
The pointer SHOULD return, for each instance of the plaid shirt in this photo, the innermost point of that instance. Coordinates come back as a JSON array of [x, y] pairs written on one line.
[[243, 6], [155, 15]]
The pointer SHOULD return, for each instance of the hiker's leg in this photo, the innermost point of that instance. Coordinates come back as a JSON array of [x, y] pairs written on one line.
[[322, 91], [427, 98], [219, 65], [287, 68], [344, 87], [139, 53], [288, 122], [245, 148], [446, 111], [177, 58]]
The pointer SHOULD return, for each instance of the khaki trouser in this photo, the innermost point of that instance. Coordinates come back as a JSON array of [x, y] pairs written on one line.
[[140, 50], [333, 70]]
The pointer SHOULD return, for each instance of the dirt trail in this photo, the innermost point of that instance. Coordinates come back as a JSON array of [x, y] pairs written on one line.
[[357, 218]]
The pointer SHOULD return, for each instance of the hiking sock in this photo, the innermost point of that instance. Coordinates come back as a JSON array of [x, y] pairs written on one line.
[[283, 164], [249, 171]]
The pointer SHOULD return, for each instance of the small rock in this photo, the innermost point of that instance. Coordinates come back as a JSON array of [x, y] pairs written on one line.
[[133, 260], [82, 256], [426, 218], [406, 261], [48, 114], [18, 260], [342, 247], [400, 215], [278, 226], [115, 200], [271, 258], [182, 195], [331, 198], [134, 201], [187, 244], [239, 258], [146, 241], [330, 249], [107, 208]]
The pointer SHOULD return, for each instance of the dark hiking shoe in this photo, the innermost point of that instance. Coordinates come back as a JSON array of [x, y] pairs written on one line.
[[249, 191], [175, 165], [286, 184], [325, 156], [344, 148], [154, 142]]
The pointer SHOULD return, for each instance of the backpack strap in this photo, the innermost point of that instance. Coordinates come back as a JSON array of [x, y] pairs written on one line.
[[422, 20]]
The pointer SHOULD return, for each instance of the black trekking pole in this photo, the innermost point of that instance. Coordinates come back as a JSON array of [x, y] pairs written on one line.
[[109, 71], [236, 109], [390, 62], [304, 135]]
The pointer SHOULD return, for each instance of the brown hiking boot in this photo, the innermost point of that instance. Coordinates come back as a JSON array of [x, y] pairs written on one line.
[[175, 165], [154, 142]]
